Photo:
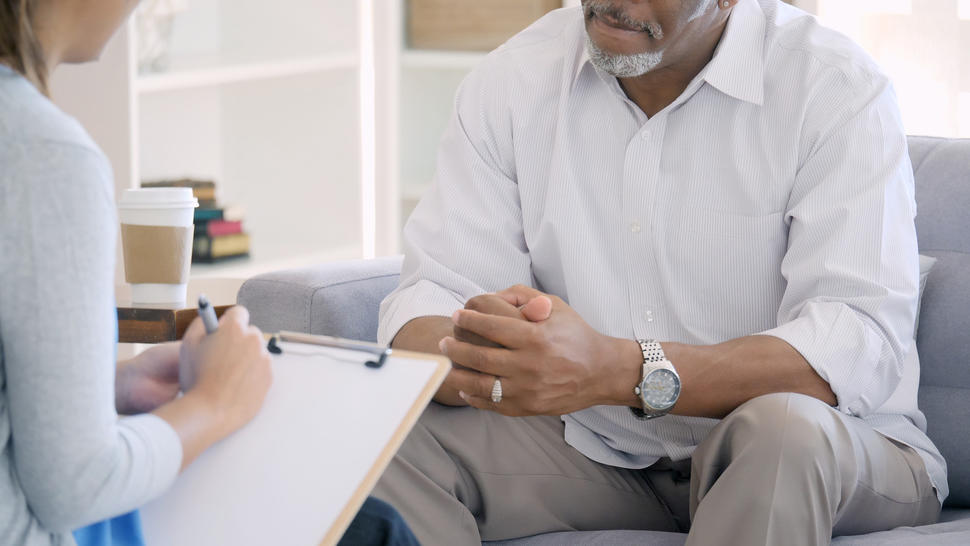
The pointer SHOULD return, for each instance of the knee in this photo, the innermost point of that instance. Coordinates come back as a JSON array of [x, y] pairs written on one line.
[[784, 425]]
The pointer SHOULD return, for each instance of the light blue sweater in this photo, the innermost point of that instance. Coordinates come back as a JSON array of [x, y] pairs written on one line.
[[66, 458]]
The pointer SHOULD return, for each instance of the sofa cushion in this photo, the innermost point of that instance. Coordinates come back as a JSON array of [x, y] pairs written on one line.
[[337, 299], [942, 170], [943, 341], [950, 533]]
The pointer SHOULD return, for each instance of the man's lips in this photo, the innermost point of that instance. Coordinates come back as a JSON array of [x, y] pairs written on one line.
[[610, 21]]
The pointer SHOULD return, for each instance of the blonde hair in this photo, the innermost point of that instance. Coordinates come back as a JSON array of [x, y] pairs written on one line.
[[19, 47]]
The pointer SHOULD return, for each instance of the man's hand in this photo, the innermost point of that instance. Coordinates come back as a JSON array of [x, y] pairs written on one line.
[[550, 366], [503, 304], [148, 380], [487, 304], [424, 334]]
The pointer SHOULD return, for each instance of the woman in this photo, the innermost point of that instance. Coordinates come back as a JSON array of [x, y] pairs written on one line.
[[66, 459]]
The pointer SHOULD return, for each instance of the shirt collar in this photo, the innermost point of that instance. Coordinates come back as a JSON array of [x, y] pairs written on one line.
[[737, 68]]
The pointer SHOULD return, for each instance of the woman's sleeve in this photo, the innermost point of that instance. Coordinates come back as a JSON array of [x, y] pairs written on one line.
[[76, 461]]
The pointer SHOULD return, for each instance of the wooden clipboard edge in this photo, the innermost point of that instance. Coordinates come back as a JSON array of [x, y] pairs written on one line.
[[340, 525]]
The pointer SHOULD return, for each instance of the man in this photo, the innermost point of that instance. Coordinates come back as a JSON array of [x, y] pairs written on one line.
[[728, 178]]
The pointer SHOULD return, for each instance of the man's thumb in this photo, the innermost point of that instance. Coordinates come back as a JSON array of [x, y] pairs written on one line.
[[537, 309]]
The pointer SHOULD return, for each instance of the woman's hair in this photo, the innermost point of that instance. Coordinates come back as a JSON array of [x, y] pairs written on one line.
[[18, 44]]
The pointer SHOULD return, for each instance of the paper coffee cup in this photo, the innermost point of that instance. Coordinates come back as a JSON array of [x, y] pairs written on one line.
[[156, 233]]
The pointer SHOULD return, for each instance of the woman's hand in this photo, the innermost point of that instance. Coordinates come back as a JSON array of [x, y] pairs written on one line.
[[229, 369], [225, 377], [148, 380]]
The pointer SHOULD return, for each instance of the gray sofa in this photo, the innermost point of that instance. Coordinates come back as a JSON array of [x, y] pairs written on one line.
[[342, 299]]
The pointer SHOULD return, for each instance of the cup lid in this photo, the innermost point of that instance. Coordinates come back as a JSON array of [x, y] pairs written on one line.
[[158, 198]]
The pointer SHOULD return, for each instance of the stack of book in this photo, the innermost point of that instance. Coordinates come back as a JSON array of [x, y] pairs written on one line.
[[219, 233]]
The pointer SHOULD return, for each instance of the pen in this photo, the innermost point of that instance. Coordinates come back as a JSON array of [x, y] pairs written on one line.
[[208, 315]]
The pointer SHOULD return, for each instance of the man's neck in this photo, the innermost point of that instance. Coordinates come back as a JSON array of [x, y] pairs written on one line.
[[657, 89]]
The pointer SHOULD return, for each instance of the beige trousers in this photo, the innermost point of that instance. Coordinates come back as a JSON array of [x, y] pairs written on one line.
[[781, 469]]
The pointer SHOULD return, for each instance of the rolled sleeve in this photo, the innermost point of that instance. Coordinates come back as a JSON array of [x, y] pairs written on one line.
[[421, 299], [465, 237], [852, 263], [847, 351]]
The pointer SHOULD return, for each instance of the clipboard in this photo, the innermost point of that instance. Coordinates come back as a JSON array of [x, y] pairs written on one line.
[[299, 472]]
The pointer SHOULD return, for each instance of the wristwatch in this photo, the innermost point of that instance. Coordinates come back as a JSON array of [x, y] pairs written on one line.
[[659, 385]]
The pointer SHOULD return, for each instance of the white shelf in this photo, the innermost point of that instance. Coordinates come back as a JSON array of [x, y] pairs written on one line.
[[427, 58], [221, 75]]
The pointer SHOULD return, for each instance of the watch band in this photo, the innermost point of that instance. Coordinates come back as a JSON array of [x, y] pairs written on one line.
[[653, 353]]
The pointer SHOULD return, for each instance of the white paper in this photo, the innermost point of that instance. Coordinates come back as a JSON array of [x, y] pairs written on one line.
[[286, 476]]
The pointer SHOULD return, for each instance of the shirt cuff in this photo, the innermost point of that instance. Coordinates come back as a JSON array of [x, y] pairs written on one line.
[[845, 351], [422, 299]]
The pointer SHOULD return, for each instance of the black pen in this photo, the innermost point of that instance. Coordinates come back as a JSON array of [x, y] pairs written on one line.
[[208, 315]]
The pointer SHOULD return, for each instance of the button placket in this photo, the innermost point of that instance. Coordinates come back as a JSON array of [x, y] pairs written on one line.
[[640, 179]]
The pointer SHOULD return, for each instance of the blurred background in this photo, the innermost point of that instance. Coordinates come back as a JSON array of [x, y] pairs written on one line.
[[308, 128]]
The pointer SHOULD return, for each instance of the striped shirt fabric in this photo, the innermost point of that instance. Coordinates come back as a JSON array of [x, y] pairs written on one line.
[[774, 196]]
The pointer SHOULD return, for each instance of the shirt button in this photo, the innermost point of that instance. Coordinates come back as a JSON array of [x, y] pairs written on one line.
[[645, 135], [635, 227], [649, 316]]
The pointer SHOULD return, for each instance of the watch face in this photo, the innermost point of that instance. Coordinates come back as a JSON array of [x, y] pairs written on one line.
[[660, 389]]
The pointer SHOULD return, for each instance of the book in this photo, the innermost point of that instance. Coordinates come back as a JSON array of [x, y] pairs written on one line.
[[180, 183], [207, 214], [216, 228], [203, 190], [233, 213], [207, 249]]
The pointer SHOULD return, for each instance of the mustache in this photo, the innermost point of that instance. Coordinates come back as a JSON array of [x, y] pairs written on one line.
[[605, 8]]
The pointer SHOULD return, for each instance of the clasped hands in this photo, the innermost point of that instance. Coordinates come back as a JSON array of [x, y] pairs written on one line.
[[549, 360]]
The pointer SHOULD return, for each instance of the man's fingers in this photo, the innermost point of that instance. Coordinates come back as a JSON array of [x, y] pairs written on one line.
[[488, 360], [537, 309], [509, 332], [462, 334], [493, 305], [503, 407], [519, 294], [471, 382]]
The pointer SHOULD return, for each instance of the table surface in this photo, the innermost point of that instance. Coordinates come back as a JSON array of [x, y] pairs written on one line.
[[158, 323]]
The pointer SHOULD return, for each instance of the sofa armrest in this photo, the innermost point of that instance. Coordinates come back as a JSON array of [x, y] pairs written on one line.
[[336, 299]]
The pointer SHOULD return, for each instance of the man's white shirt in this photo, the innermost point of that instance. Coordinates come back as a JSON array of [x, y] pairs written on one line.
[[775, 196]]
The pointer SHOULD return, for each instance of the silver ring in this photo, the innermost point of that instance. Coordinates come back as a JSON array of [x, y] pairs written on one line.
[[497, 391]]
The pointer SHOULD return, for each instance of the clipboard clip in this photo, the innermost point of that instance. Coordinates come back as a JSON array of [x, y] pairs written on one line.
[[381, 353]]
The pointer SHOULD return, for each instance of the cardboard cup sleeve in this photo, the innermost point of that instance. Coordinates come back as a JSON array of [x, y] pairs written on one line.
[[157, 254]]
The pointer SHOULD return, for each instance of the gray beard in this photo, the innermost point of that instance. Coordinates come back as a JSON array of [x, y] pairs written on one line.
[[623, 66]]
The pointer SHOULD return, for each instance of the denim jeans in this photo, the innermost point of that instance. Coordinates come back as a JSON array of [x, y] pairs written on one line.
[[378, 524]]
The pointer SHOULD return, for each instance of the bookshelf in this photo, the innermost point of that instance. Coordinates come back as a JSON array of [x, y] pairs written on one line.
[[262, 97], [313, 115], [223, 75], [417, 92]]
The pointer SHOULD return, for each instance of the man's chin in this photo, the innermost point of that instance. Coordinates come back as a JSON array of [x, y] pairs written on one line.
[[622, 65], [615, 46]]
